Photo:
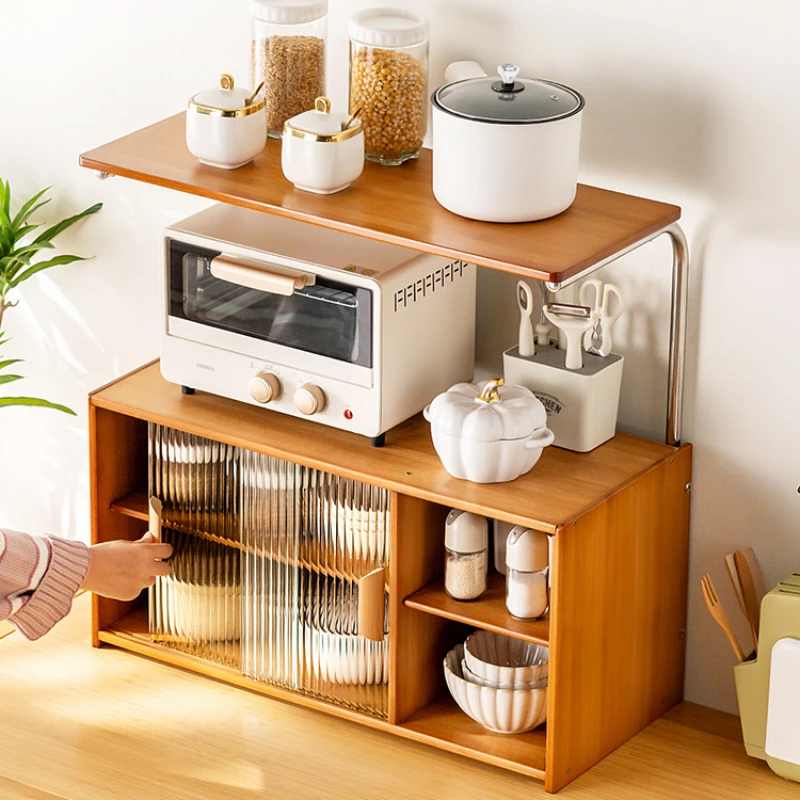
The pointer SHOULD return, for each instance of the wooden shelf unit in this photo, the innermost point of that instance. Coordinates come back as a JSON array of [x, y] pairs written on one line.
[[396, 205], [619, 517]]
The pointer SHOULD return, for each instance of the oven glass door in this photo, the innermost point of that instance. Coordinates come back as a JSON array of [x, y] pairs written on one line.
[[327, 318]]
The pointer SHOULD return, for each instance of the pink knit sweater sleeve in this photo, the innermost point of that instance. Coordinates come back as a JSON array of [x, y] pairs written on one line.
[[39, 577]]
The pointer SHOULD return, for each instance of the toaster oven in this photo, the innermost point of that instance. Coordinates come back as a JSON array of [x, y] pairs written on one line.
[[355, 334]]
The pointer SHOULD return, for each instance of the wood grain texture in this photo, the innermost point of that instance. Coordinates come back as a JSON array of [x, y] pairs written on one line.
[[109, 725], [443, 725], [418, 642], [618, 614], [488, 612], [394, 205], [118, 465], [560, 487]]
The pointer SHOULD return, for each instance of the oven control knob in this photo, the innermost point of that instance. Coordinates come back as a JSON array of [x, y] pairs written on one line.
[[309, 399], [265, 387]]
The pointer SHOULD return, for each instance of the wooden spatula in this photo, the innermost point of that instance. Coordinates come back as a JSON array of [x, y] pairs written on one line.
[[749, 593]]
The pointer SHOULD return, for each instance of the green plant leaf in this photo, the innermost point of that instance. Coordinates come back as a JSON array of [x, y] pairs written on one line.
[[8, 362], [29, 250], [6, 234], [5, 196], [60, 227], [25, 230], [10, 378], [29, 208], [43, 265], [5, 402]]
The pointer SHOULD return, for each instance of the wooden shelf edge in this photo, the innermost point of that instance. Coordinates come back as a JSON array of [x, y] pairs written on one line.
[[431, 599], [443, 711], [120, 636], [133, 504]]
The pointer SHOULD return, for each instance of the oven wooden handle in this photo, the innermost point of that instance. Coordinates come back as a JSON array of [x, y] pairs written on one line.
[[154, 517], [372, 604], [285, 283]]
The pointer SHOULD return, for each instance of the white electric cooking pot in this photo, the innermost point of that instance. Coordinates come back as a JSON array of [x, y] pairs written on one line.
[[487, 432], [504, 150]]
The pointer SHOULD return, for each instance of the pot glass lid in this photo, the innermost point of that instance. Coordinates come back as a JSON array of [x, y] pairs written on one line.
[[508, 100]]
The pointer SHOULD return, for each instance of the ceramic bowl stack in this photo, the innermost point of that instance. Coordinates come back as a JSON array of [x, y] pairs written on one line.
[[498, 681]]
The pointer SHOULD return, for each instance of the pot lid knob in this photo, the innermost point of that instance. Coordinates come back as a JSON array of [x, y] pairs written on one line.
[[489, 393], [226, 81], [323, 104], [508, 74]]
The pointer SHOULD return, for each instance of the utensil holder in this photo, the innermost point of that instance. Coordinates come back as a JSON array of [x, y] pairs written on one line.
[[769, 703], [582, 404]]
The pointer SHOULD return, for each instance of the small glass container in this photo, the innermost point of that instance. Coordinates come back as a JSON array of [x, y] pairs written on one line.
[[466, 562], [288, 55], [527, 562], [389, 81]]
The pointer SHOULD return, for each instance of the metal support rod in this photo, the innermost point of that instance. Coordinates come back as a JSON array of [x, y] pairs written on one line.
[[677, 332], [678, 316]]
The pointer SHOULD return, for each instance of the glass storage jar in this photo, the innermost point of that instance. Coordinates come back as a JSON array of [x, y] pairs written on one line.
[[527, 563], [389, 81], [466, 564], [288, 55]]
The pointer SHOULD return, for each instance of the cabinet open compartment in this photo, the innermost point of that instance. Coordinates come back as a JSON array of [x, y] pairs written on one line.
[[619, 521]]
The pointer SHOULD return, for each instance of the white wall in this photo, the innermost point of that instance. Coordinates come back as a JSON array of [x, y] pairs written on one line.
[[691, 102]]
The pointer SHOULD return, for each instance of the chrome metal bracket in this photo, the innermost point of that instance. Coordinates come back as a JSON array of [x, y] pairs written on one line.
[[678, 316]]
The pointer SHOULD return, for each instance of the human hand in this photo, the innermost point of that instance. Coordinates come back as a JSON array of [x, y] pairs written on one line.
[[121, 569]]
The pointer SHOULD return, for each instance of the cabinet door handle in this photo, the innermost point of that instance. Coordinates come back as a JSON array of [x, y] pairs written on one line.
[[372, 604], [285, 283], [154, 518]]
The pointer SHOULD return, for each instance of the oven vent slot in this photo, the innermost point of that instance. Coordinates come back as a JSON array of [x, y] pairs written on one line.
[[434, 281]]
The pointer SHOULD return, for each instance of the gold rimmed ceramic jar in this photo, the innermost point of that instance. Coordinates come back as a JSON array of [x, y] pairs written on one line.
[[226, 126], [322, 150]]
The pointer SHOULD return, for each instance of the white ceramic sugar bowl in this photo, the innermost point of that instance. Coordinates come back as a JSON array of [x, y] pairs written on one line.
[[322, 151], [487, 432], [226, 127]]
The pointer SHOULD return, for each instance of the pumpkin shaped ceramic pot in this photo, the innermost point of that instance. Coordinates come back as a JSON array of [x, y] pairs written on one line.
[[487, 432]]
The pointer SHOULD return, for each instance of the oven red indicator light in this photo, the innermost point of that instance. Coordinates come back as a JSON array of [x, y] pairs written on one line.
[[348, 414]]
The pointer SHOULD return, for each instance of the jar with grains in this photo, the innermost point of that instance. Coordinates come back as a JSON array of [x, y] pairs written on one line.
[[389, 81], [288, 54]]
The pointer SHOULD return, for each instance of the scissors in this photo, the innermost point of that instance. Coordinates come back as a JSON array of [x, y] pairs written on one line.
[[597, 295]]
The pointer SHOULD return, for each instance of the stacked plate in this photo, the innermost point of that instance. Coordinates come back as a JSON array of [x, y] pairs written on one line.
[[498, 681]]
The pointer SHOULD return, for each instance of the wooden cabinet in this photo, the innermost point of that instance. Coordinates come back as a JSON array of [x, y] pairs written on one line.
[[619, 518]]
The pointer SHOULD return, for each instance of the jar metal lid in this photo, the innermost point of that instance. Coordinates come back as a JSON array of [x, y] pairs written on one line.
[[465, 532], [511, 100], [527, 550], [225, 101], [288, 12], [389, 27]]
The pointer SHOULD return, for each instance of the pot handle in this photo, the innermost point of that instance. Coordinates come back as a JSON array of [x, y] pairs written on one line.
[[541, 438], [462, 70], [426, 412]]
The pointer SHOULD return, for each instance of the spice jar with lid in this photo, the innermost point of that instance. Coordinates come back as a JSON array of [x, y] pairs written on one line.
[[389, 81], [225, 125], [288, 54], [466, 540], [322, 151], [527, 561]]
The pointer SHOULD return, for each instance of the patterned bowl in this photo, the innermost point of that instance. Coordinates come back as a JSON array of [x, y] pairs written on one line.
[[505, 661], [497, 710]]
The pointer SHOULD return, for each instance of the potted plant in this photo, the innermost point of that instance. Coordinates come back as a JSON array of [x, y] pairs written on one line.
[[17, 253]]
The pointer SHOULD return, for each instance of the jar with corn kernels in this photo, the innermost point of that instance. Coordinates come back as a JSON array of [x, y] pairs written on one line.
[[389, 81]]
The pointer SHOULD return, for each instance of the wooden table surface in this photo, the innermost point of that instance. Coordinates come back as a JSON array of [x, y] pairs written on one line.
[[84, 724]]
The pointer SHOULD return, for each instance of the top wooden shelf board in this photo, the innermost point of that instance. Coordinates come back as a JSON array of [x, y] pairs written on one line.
[[396, 205], [561, 487]]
